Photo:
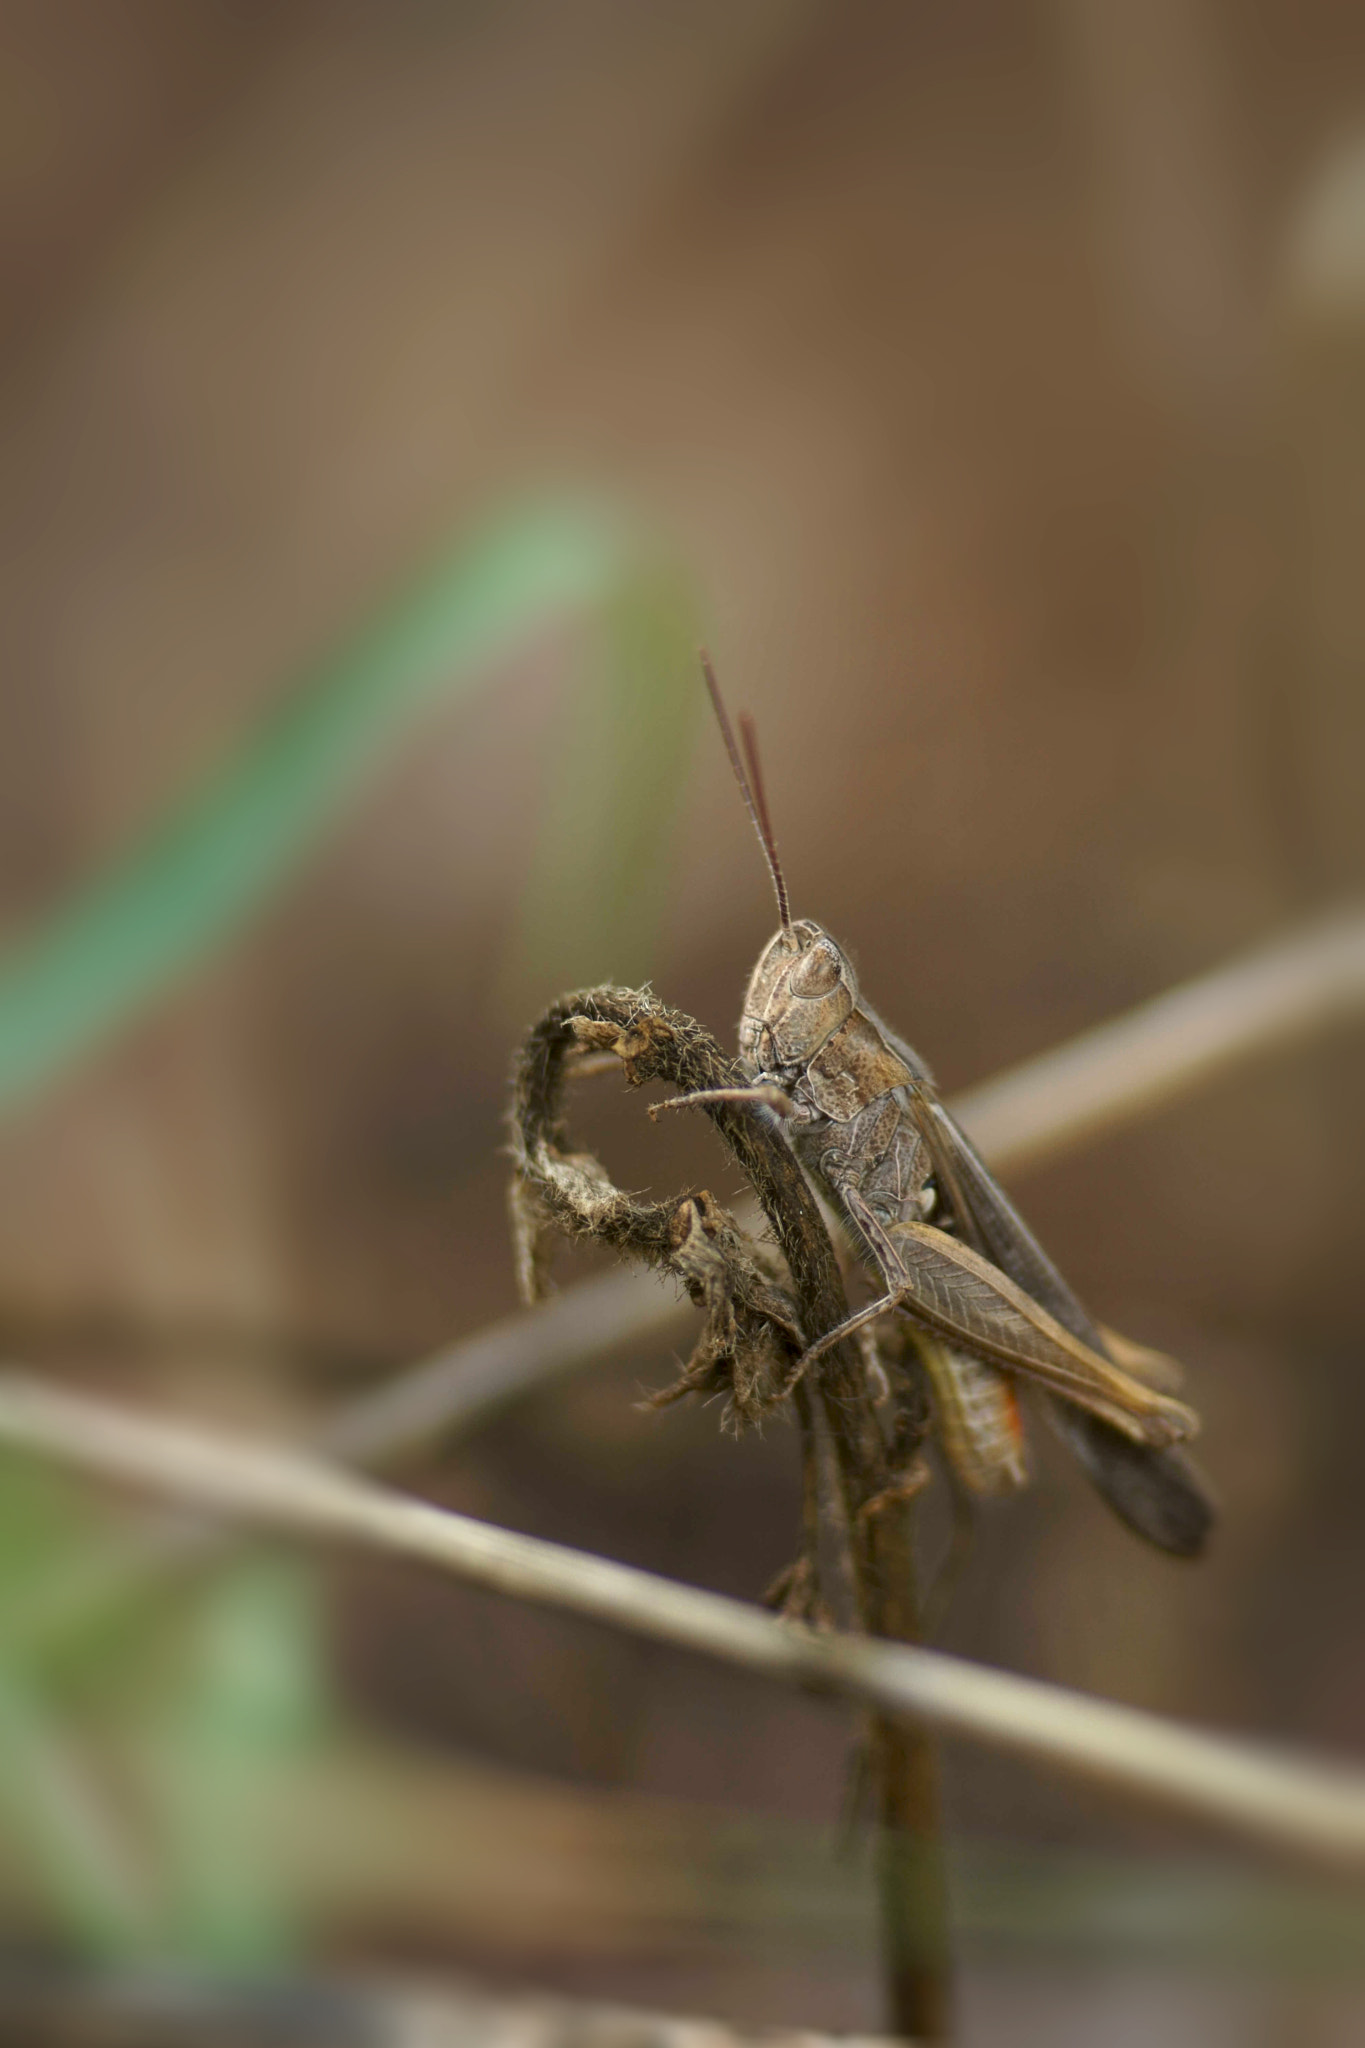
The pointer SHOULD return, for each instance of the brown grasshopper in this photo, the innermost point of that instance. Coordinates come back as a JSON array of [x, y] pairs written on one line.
[[987, 1306]]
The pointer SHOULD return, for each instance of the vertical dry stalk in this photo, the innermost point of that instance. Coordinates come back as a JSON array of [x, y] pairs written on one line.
[[756, 1329]]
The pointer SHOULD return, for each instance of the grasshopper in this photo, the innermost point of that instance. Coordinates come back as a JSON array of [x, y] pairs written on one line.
[[987, 1308]]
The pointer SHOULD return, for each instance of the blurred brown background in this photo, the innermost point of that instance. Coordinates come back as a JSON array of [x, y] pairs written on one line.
[[997, 372]]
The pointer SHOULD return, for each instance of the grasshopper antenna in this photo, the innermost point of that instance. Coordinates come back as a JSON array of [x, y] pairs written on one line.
[[750, 780]]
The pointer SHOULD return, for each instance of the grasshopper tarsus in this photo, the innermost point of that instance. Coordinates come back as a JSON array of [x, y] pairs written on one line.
[[906, 1485]]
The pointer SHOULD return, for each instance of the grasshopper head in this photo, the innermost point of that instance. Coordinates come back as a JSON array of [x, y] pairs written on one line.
[[803, 988], [801, 991]]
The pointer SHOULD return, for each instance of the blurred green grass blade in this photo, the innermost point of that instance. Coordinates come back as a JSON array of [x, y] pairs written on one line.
[[598, 886], [204, 1698], [236, 1695], [48, 1529], [52, 1809], [107, 956]]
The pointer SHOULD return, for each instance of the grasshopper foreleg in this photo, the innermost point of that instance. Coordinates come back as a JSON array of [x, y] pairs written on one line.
[[762, 1094]]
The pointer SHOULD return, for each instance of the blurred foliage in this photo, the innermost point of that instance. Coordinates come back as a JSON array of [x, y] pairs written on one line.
[[238, 1692], [109, 954], [620, 763], [203, 1693], [186, 1793], [974, 332], [51, 1807], [133, 1776]]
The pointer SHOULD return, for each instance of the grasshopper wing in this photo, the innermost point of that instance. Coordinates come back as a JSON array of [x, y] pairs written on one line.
[[1154, 1368], [1159, 1492], [961, 1297]]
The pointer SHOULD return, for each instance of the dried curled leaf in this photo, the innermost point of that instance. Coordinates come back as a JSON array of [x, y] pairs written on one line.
[[763, 1304], [753, 1333]]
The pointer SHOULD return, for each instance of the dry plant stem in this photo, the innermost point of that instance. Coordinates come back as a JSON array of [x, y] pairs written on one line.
[[1042, 1109], [407, 1417], [1314, 1811], [1178, 1041], [1039, 1110], [659, 1044], [799, 1591], [462, 1384]]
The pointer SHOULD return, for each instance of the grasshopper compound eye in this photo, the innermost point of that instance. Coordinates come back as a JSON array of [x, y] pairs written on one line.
[[817, 972]]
